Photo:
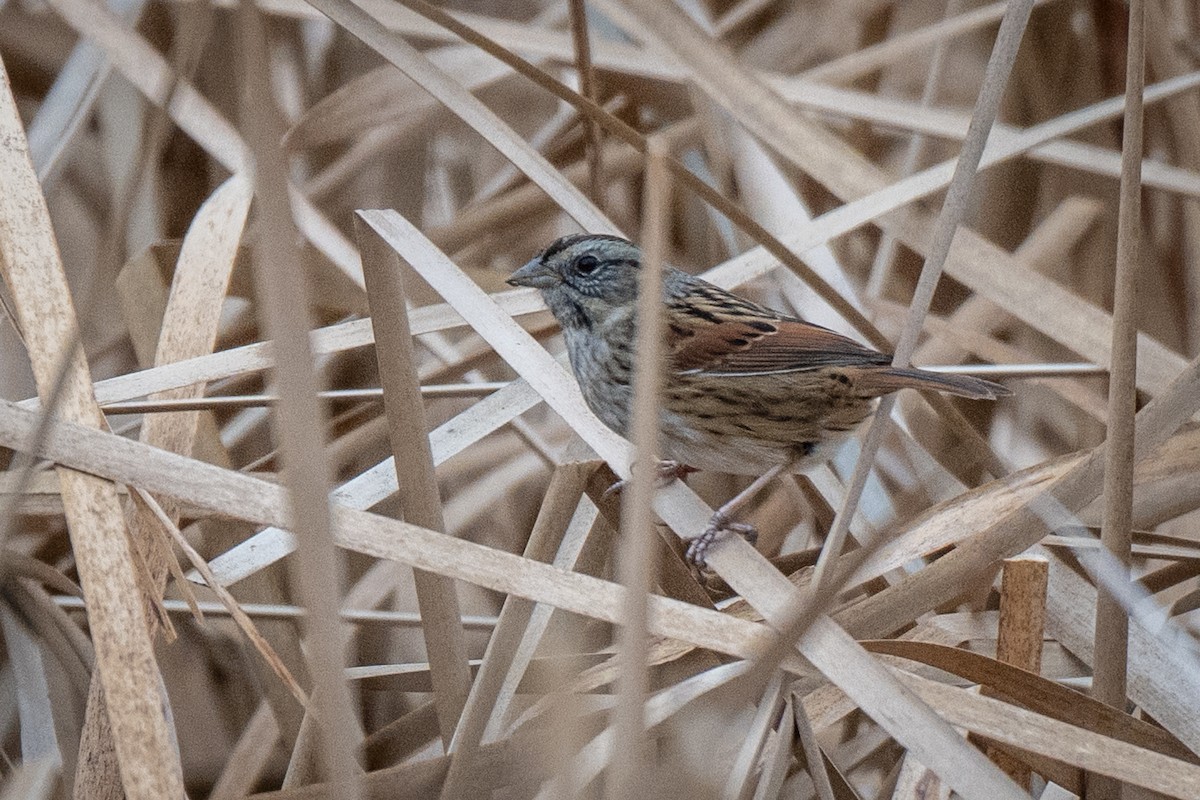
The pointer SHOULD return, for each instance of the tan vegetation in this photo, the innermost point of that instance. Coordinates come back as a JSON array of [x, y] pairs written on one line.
[[204, 206]]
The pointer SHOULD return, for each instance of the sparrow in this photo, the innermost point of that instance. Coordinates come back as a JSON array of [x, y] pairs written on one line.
[[748, 390]]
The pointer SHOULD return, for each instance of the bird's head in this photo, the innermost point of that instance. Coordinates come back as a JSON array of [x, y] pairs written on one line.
[[584, 278]]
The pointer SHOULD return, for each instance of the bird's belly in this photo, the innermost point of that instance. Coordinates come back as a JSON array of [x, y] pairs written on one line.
[[748, 426], [742, 428], [729, 454], [736, 454]]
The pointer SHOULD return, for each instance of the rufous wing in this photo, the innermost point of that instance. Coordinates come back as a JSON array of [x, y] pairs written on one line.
[[712, 332], [760, 345]]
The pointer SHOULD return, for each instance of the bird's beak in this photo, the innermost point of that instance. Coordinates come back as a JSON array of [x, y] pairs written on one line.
[[535, 274]]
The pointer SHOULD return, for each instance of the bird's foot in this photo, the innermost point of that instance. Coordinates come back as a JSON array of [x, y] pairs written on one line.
[[667, 471], [720, 523]]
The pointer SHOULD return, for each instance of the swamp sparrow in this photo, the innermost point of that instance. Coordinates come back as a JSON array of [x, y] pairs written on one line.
[[750, 390]]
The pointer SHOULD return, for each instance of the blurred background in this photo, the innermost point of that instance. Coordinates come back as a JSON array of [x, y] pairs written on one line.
[[136, 117]]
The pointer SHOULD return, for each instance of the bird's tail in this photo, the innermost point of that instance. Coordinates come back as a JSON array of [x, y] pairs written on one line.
[[890, 379]]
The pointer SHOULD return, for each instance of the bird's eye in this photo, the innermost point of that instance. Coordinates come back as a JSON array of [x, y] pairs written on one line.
[[586, 265]]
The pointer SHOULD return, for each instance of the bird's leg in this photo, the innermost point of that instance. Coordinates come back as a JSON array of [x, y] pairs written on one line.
[[667, 472], [721, 521]]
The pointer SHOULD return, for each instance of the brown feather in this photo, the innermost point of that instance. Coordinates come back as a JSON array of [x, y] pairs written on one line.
[[750, 389], [879, 382], [716, 333]]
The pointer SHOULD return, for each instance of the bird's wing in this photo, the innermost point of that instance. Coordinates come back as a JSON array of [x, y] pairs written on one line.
[[716, 333]]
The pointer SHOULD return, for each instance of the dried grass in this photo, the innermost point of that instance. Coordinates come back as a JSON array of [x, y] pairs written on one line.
[[463, 619]]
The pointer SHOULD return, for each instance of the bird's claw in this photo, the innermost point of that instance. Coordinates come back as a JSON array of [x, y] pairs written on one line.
[[614, 490], [667, 471], [720, 523]]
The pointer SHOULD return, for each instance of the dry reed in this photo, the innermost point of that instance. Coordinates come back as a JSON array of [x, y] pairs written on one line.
[[224, 226]]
